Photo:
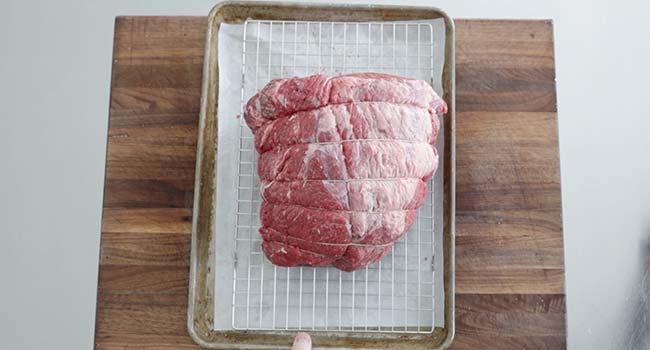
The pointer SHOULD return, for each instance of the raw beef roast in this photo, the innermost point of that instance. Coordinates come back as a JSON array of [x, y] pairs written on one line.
[[343, 164]]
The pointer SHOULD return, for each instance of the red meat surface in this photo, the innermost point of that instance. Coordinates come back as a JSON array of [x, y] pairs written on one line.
[[343, 165]]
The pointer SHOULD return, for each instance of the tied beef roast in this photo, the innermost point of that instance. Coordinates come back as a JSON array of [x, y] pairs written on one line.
[[343, 164]]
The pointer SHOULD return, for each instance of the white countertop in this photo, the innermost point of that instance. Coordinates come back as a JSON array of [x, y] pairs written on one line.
[[51, 174]]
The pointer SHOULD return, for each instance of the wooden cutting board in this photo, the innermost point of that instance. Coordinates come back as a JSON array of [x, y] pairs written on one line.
[[509, 246]]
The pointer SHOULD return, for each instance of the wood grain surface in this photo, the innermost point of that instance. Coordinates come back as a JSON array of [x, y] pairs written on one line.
[[510, 267]]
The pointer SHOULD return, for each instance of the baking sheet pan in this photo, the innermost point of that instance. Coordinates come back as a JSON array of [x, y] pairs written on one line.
[[201, 310]]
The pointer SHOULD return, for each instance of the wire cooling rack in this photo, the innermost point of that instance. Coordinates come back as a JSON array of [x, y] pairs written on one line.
[[394, 295]]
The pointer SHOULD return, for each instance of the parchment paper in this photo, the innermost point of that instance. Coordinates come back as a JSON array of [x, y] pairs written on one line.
[[228, 254]]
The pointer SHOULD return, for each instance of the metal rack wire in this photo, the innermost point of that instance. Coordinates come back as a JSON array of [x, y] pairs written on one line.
[[394, 295]]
